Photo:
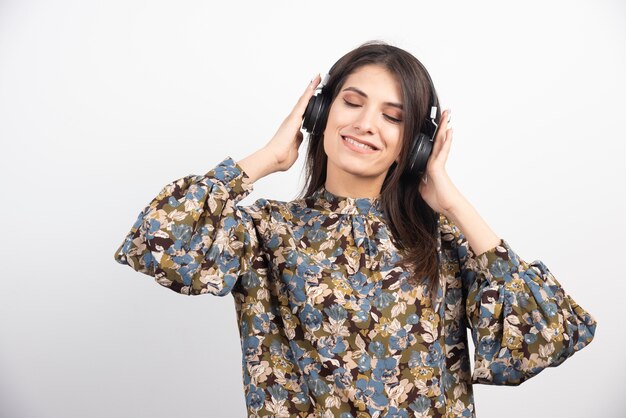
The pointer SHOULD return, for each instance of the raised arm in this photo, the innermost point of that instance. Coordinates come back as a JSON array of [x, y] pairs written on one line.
[[192, 237], [521, 318]]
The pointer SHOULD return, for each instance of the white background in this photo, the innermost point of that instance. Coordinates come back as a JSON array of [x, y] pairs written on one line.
[[103, 103]]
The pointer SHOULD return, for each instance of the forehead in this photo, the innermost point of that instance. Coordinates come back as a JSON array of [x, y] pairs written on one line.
[[375, 80]]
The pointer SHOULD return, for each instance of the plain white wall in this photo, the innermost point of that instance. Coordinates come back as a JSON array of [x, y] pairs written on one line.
[[103, 103]]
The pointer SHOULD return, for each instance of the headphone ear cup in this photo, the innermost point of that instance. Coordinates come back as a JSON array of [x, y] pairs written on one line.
[[316, 114], [421, 148]]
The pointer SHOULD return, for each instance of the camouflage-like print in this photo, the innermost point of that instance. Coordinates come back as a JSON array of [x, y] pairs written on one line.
[[329, 325]]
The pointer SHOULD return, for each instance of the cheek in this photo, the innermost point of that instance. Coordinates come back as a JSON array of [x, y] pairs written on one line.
[[394, 139], [337, 117]]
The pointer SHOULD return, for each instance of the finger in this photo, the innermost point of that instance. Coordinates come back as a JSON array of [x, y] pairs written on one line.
[[445, 151], [302, 103], [441, 131]]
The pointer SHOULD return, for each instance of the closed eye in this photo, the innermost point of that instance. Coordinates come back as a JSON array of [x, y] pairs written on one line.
[[351, 104], [394, 120]]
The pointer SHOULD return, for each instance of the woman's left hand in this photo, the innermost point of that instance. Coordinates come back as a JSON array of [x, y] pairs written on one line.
[[436, 187]]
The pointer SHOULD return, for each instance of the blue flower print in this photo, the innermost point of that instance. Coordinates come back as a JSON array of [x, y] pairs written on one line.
[[421, 404], [224, 173], [530, 338], [149, 261], [316, 233], [360, 284], [452, 296], [372, 247], [382, 299], [336, 312], [364, 363], [291, 257], [255, 398], [277, 392], [416, 359], [499, 269], [154, 226], [250, 279], [230, 224], [262, 323], [377, 349], [447, 379], [401, 340], [549, 308], [227, 262], [536, 320], [523, 299], [276, 349], [295, 287], [360, 316], [308, 270], [182, 235], [488, 347], [173, 202], [316, 384], [250, 347], [413, 319], [370, 392], [330, 345], [435, 355], [342, 378], [311, 318], [274, 241], [503, 373], [195, 193], [385, 370], [509, 302]]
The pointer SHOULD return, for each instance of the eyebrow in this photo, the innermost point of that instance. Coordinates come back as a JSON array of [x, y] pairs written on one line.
[[362, 93]]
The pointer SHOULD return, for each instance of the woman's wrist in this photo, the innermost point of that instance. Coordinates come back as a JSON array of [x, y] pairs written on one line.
[[477, 232], [259, 164]]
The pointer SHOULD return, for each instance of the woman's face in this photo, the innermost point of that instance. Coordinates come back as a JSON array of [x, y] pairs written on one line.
[[367, 110]]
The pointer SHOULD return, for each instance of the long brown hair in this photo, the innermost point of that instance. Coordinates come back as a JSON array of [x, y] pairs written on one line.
[[412, 222]]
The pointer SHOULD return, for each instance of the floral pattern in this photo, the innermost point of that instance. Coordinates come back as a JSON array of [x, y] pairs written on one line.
[[329, 325]]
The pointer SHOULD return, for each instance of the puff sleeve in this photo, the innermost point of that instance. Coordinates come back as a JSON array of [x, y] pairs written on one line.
[[192, 237], [520, 317]]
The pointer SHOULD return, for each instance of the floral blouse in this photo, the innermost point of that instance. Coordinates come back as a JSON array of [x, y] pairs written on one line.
[[329, 325]]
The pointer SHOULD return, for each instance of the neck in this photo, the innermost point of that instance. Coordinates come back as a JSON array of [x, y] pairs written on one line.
[[342, 183]]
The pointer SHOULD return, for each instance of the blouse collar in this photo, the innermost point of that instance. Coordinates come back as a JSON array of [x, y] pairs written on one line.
[[323, 199]]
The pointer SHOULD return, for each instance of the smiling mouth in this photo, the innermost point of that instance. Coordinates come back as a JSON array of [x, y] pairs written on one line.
[[358, 144]]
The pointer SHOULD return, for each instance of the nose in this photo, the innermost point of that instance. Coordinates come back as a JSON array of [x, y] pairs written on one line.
[[366, 121]]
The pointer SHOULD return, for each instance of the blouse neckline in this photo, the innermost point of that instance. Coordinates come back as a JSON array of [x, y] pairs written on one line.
[[323, 199]]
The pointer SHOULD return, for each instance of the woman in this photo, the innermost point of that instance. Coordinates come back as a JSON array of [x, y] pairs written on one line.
[[353, 300]]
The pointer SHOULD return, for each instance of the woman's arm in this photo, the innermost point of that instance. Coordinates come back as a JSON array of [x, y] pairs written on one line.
[[478, 234], [193, 237], [521, 319], [259, 164]]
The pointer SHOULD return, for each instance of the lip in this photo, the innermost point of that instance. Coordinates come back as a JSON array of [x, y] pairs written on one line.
[[357, 149]]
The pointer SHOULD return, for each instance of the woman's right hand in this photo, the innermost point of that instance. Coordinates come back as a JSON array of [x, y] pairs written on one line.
[[286, 141]]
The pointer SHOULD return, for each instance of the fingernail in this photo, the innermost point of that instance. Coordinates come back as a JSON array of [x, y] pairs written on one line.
[[313, 79]]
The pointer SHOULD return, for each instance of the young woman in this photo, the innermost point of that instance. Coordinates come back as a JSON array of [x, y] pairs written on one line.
[[353, 300]]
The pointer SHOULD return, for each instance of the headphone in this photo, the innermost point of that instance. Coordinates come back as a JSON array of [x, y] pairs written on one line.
[[316, 115]]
